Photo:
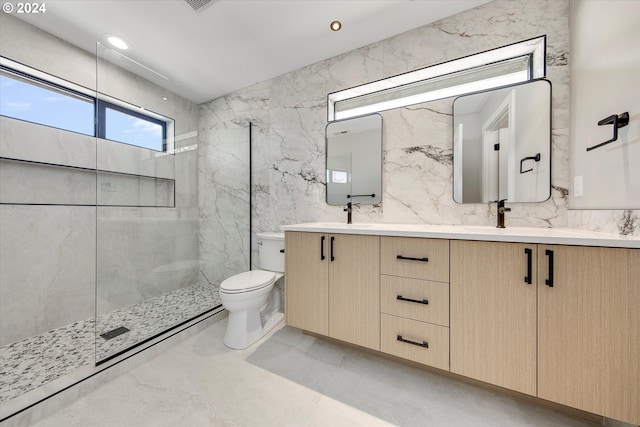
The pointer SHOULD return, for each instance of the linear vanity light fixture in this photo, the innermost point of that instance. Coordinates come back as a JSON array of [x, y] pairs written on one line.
[[503, 66]]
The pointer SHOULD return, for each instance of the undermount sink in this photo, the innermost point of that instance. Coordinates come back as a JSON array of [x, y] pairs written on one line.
[[528, 231], [480, 228]]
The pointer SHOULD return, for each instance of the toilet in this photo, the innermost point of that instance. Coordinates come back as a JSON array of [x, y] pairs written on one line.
[[253, 298]]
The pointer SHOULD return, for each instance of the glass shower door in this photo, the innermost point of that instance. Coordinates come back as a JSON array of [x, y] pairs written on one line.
[[147, 215]]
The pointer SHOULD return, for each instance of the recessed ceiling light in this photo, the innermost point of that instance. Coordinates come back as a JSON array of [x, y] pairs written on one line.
[[336, 25], [117, 42], [164, 98]]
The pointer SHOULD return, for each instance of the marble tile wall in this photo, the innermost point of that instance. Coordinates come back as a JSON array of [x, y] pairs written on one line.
[[47, 277], [46, 145], [223, 194], [22, 182], [289, 117]]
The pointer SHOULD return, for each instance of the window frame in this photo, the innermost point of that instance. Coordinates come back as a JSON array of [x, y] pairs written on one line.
[[52, 86], [100, 103], [535, 48], [101, 106]]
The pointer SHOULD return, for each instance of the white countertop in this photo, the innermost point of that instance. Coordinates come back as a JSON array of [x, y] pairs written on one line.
[[560, 236]]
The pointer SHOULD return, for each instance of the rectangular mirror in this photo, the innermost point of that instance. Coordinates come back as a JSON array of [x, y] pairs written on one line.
[[502, 144], [354, 161]]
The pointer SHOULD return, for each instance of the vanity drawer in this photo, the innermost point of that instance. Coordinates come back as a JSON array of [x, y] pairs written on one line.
[[415, 299], [418, 341], [426, 259]]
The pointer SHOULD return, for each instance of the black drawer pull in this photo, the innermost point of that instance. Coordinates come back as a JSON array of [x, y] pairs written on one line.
[[422, 344], [408, 258], [529, 252], [332, 257], [322, 257], [419, 301], [549, 281]]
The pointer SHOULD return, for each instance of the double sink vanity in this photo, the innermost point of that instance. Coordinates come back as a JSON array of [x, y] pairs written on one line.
[[547, 312]]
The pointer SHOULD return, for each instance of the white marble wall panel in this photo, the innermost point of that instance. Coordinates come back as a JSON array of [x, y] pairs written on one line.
[[33, 183], [117, 157], [289, 147], [27, 141], [223, 194], [626, 222], [131, 190], [47, 271]]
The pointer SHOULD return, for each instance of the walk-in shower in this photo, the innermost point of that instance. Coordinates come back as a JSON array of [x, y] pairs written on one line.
[[101, 230]]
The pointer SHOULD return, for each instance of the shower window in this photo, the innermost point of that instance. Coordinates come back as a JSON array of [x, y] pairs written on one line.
[[120, 124], [38, 102], [34, 96]]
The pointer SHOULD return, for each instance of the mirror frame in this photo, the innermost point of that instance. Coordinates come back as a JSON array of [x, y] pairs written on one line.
[[455, 179], [377, 198]]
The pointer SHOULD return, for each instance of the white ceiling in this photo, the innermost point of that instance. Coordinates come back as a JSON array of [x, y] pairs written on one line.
[[231, 44]]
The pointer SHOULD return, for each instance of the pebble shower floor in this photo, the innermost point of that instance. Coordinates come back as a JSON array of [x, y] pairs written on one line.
[[36, 361]]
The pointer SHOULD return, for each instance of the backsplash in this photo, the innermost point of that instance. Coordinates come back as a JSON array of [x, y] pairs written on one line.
[[289, 118]]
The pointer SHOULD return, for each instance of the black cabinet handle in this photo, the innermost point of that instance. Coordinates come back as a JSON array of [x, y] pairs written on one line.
[[422, 344], [332, 239], [529, 252], [322, 257], [549, 281], [408, 258], [419, 301], [281, 251]]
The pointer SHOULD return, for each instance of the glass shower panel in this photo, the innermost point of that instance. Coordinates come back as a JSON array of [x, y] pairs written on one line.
[[147, 218]]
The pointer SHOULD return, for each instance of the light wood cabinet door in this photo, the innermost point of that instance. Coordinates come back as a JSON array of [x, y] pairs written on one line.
[[493, 313], [354, 289], [306, 281], [589, 329]]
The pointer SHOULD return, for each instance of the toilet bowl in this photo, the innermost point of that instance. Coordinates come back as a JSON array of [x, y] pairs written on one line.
[[252, 298]]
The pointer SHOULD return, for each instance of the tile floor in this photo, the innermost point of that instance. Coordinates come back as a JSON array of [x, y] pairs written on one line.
[[292, 379], [31, 363]]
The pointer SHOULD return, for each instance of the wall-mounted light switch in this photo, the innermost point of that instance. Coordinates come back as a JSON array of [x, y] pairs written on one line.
[[578, 188]]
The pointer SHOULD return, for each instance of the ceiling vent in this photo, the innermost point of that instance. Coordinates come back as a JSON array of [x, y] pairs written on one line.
[[197, 4]]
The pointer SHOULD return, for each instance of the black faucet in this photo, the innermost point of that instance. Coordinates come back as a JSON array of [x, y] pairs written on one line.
[[501, 211], [348, 211]]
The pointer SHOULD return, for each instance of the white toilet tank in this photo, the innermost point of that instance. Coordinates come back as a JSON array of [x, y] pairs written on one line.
[[271, 250]]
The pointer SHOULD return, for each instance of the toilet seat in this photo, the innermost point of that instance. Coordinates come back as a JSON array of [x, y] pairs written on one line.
[[247, 281]]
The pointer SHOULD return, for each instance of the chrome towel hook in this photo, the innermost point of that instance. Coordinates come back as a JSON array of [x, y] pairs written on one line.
[[617, 121]]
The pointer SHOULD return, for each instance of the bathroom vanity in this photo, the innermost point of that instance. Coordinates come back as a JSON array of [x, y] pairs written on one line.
[[547, 312]]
